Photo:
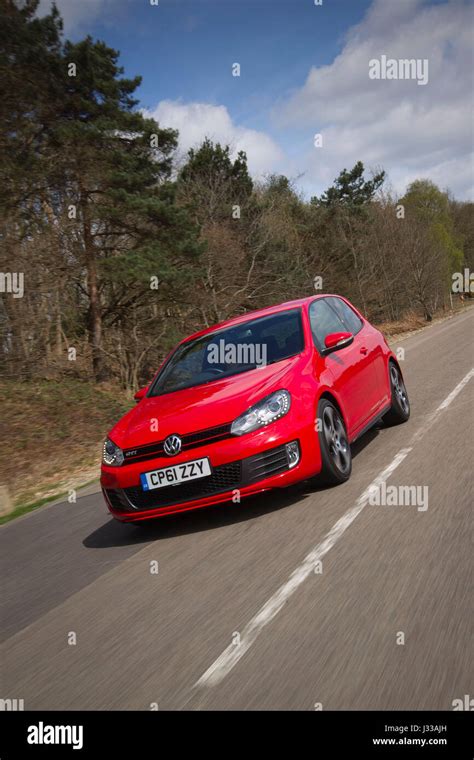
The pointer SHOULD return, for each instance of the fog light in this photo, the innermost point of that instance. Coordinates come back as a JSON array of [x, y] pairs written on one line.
[[293, 453]]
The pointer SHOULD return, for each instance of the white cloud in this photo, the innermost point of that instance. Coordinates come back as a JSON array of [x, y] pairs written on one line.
[[195, 121], [411, 130]]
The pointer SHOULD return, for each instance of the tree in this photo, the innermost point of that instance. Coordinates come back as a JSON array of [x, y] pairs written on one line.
[[463, 222], [436, 250], [100, 180], [347, 220], [351, 189], [117, 166], [213, 183], [31, 92]]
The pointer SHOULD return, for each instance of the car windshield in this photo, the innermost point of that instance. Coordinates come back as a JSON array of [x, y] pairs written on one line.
[[247, 346]]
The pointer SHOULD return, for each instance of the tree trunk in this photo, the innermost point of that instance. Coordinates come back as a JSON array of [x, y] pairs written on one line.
[[95, 310]]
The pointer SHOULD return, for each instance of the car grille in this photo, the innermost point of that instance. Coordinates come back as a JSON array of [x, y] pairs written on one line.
[[265, 465], [117, 499], [224, 478], [188, 441]]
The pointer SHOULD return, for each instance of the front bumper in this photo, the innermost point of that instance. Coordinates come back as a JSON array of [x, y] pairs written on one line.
[[232, 478]]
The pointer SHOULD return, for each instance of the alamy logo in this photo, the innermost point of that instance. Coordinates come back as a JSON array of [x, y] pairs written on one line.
[[463, 704], [237, 353], [399, 68], [12, 282], [399, 496], [11, 705], [463, 282], [42, 734]]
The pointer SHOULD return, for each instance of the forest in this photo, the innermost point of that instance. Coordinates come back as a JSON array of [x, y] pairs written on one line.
[[124, 248]]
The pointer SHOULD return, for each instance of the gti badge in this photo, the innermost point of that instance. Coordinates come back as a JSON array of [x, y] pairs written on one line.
[[172, 445]]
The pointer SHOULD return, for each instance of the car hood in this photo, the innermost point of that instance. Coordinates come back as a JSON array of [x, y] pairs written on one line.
[[201, 407]]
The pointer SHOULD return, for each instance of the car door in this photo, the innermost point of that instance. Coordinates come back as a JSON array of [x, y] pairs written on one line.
[[370, 339], [352, 368]]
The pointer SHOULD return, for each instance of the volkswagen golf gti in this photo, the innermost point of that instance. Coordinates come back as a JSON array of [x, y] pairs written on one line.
[[258, 402]]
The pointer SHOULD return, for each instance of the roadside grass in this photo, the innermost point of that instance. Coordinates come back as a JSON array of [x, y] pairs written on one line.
[[23, 509], [52, 433], [409, 323], [413, 322]]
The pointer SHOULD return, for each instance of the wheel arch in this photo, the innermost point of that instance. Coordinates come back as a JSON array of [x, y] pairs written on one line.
[[327, 394], [393, 360]]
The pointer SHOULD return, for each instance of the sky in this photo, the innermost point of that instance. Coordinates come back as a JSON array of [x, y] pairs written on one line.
[[304, 71]]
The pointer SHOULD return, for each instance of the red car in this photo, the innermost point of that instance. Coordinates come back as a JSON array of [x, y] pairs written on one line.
[[258, 402]]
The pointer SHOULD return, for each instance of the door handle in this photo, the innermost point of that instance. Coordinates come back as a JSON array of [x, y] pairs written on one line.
[[364, 350]]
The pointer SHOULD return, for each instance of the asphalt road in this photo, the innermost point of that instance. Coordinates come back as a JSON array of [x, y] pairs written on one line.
[[332, 638]]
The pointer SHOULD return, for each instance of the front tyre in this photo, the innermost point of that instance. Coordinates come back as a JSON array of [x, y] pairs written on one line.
[[400, 410], [336, 454]]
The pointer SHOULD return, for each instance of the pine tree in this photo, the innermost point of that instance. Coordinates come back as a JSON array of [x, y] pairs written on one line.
[[351, 189], [212, 182], [86, 162]]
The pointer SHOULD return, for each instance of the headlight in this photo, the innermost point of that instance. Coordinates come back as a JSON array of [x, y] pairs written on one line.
[[267, 410], [112, 455]]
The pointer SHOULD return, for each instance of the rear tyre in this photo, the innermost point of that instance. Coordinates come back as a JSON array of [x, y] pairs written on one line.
[[334, 445], [400, 410]]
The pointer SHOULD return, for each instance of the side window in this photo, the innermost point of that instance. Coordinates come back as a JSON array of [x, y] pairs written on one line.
[[347, 316], [324, 321]]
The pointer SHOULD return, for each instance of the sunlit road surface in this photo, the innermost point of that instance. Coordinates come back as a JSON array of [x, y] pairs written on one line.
[[289, 600]]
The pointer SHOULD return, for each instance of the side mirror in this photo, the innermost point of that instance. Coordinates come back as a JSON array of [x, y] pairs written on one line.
[[337, 340], [140, 394]]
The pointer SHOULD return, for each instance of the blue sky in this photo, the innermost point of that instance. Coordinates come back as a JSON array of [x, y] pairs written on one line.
[[186, 48], [304, 70]]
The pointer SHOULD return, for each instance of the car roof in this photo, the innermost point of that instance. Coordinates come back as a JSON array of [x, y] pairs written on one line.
[[298, 303]]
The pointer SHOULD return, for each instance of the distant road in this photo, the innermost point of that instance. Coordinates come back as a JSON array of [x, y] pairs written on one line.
[[389, 573]]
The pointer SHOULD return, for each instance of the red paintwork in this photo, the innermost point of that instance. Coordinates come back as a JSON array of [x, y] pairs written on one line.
[[356, 376], [141, 393], [333, 339]]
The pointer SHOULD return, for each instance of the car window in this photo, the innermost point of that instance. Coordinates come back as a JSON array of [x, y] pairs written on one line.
[[324, 321], [348, 317], [232, 350]]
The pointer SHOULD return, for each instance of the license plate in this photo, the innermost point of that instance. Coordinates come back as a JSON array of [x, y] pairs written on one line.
[[169, 476]]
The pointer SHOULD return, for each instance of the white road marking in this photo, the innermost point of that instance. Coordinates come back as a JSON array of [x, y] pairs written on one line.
[[455, 392], [233, 653]]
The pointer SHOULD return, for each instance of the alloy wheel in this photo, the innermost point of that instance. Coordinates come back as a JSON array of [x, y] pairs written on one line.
[[399, 388], [336, 439]]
